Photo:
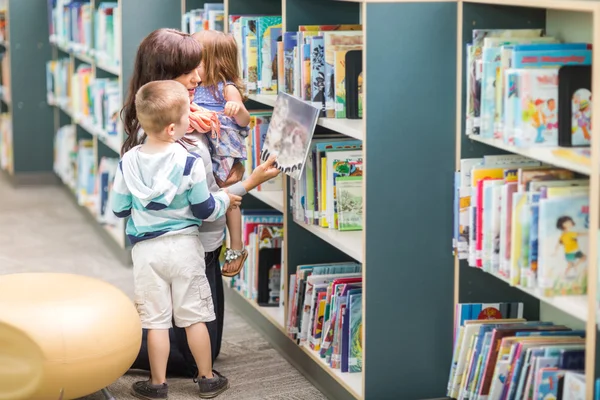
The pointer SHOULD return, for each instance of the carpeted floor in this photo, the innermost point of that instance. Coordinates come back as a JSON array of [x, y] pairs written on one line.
[[43, 231]]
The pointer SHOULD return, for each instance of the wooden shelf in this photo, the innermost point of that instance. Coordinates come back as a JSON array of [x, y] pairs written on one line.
[[275, 315], [543, 154], [86, 55], [566, 5], [576, 306], [273, 199], [352, 382], [349, 127], [350, 242], [111, 141]]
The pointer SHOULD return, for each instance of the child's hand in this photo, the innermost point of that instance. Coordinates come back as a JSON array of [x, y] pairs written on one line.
[[234, 201], [232, 108]]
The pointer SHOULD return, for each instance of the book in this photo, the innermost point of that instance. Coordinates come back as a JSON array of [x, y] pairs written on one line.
[[563, 245], [350, 203], [290, 133]]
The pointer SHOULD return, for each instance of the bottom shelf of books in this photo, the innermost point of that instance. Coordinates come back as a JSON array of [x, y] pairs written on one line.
[[90, 181], [499, 354], [320, 309]]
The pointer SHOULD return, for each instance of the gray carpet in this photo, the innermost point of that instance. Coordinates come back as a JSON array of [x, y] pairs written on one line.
[[43, 231]]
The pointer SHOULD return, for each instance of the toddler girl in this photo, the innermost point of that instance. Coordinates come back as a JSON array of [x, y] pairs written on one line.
[[219, 110]]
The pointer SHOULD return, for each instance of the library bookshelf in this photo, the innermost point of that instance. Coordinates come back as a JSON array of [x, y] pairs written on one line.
[[570, 21], [407, 224], [129, 31], [26, 156]]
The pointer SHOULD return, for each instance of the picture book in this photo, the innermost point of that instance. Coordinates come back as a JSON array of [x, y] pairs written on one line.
[[505, 46], [268, 28], [563, 245], [290, 133], [474, 78], [355, 334], [339, 60], [289, 43], [349, 191], [336, 41], [537, 108], [339, 164], [574, 386], [317, 73]]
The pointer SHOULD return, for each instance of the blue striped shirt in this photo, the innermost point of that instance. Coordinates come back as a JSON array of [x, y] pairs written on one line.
[[164, 193]]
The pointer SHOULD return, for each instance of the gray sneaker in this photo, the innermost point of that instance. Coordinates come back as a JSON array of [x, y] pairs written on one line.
[[212, 387], [147, 391]]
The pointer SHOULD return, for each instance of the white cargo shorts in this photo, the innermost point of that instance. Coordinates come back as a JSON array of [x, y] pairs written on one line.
[[170, 282]]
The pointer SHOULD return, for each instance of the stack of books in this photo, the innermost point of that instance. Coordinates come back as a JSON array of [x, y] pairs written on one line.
[[212, 17], [499, 355], [524, 222], [325, 313]]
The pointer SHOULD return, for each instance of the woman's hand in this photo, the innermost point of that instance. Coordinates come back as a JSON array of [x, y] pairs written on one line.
[[264, 172]]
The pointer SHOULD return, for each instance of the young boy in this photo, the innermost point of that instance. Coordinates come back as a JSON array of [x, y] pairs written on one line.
[[163, 188]]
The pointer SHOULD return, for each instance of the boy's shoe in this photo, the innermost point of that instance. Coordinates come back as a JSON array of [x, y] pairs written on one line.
[[212, 387], [147, 391]]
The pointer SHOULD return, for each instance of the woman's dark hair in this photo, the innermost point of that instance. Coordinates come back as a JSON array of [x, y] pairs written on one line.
[[163, 54]]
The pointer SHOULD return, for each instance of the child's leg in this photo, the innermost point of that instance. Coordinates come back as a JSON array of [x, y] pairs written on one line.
[[199, 342], [158, 353], [153, 302], [192, 308], [234, 226]]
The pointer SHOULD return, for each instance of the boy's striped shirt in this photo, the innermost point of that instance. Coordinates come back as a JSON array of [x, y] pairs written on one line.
[[164, 193]]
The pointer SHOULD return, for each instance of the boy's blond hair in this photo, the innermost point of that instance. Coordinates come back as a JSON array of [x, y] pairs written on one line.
[[159, 104]]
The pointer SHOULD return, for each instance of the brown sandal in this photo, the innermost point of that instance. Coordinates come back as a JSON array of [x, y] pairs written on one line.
[[233, 255]]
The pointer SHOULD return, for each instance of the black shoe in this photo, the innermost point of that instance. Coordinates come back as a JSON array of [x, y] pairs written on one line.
[[147, 391], [212, 387]]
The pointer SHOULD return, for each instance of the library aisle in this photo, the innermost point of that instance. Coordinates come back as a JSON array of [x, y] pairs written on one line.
[[48, 232]]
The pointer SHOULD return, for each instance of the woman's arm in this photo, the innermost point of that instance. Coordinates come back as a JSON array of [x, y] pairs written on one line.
[[235, 106]]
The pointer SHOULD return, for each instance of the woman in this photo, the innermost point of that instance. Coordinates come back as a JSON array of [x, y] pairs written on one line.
[[170, 54]]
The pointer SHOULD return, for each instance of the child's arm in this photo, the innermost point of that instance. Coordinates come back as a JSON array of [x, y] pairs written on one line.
[[120, 195], [235, 106], [206, 206]]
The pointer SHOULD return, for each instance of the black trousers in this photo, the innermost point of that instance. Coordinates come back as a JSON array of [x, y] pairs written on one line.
[[181, 362]]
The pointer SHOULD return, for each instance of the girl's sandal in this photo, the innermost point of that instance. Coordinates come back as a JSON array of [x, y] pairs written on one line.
[[233, 255]]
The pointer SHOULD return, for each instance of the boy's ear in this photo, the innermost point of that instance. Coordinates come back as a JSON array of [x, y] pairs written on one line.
[[170, 129]]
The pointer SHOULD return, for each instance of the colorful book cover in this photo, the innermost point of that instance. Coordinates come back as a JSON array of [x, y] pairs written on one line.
[[489, 215], [349, 191], [508, 190], [538, 108], [306, 82], [290, 132], [490, 66], [340, 163], [340, 84], [335, 41], [510, 101], [355, 357], [473, 57], [267, 28], [563, 245], [289, 43], [519, 202], [317, 74]]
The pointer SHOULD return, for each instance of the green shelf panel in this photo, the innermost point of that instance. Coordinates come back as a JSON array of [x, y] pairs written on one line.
[[410, 142]]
